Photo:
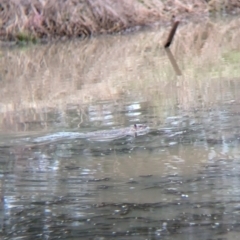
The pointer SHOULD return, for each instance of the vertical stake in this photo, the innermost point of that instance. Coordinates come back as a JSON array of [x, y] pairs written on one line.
[[171, 34]]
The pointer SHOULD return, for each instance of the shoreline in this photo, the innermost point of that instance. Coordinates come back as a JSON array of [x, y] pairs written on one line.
[[46, 20]]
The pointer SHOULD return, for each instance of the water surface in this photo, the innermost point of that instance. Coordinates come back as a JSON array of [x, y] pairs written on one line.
[[179, 180]]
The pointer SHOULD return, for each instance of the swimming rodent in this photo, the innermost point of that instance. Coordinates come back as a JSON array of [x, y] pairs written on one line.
[[102, 135]]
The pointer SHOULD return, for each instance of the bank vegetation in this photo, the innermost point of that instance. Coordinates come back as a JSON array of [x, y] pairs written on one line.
[[32, 20]]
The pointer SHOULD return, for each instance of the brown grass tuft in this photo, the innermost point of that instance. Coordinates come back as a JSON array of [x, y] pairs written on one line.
[[50, 18]]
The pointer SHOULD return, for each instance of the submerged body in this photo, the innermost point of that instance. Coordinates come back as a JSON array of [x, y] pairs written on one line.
[[104, 135]]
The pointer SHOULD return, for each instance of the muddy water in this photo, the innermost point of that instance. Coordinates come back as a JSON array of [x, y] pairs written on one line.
[[179, 180]]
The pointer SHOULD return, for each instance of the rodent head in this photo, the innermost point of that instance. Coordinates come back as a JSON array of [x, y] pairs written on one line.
[[139, 127]]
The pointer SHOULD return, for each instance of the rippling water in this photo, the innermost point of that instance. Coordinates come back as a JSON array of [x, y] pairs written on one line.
[[178, 180], [171, 183]]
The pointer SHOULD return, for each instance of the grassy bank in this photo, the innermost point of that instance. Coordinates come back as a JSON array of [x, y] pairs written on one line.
[[31, 20]]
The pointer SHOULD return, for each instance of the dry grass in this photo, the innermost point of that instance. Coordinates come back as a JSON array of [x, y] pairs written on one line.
[[29, 20]]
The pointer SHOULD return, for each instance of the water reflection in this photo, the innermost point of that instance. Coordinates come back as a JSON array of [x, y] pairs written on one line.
[[179, 180], [173, 62]]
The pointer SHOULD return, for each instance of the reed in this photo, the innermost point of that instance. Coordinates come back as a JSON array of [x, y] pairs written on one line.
[[27, 20]]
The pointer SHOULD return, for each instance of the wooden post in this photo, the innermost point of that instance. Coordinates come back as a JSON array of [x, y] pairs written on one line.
[[171, 34]]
